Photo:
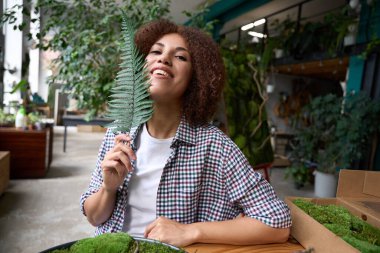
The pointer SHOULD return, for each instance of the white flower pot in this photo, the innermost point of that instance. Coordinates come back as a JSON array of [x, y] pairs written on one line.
[[349, 40], [325, 185], [278, 53], [354, 3], [270, 88]]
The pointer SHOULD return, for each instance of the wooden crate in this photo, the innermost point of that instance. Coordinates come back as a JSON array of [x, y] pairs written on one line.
[[4, 170]]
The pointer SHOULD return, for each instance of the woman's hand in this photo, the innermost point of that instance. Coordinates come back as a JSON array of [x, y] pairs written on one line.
[[170, 231], [117, 163]]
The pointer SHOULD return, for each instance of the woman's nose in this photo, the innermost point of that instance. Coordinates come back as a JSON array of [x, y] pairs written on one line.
[[165, 59]]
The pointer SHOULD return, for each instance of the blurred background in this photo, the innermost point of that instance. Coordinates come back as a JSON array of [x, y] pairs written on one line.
[[301, 98]]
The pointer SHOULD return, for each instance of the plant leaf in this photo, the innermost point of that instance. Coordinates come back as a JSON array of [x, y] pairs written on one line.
[[129, 102]]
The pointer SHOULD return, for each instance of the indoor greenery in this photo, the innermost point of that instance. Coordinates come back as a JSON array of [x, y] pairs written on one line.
[[87, 36], [336, 131], [129, 104], [300, 172], [341, 222], [299, 40], [245, 100], [244, 94], [6, 120]]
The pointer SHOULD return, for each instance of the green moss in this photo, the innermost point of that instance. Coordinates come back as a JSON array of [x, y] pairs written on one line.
[[148, 247], [340, 221], [115, 243]]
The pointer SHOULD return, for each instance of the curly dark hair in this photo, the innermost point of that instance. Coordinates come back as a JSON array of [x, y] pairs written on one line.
[[208, 77]]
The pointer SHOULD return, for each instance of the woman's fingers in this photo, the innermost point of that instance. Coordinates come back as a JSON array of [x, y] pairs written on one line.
[[120, 157], [123, 138], [149, 228], [115, 167]]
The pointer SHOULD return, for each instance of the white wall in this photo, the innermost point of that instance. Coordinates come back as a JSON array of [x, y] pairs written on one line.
[[13, 51]]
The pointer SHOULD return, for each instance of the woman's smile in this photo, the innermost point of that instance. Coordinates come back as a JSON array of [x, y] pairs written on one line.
[[161, 72]]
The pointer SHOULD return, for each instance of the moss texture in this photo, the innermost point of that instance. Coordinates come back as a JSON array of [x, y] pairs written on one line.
[[341, 222], [115, 243]]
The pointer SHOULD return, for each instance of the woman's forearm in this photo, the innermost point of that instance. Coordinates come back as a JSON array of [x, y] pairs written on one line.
[[99, 206], [240, 231]]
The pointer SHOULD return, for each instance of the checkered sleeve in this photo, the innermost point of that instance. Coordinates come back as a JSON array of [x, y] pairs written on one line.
[[97, 176], [251, 192]]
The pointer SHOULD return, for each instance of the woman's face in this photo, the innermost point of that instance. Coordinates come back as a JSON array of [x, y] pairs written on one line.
[[169, 66]]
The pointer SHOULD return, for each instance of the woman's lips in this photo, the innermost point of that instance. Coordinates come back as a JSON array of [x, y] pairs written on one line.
[[161, 72]]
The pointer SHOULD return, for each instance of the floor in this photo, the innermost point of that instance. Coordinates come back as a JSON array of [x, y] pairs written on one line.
[[36, 214]]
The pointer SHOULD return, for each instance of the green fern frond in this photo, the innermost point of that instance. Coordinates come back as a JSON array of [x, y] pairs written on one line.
[[129, 102]]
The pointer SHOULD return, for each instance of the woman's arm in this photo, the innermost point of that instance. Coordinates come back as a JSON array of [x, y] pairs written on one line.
[[99, 206], [115, 166], [240, 231]]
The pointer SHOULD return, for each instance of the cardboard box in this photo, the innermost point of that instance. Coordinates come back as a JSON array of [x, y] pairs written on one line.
[[4, 170], [358, 191]]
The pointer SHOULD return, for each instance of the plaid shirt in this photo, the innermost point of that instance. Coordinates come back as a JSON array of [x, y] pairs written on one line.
[[206, 178]]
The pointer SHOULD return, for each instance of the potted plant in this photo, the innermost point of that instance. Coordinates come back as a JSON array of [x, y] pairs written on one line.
[[337, 131], [344, 24]]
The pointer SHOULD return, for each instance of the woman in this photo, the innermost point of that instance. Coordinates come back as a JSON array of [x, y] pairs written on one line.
[[188, 182]]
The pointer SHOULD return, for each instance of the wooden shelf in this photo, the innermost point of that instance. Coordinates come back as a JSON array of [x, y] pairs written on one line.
[[330, 69]]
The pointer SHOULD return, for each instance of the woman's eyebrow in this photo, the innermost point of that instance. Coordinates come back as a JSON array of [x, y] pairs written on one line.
[[177, 48]]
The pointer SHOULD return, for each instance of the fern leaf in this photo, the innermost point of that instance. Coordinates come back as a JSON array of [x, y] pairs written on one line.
[[129, 102]]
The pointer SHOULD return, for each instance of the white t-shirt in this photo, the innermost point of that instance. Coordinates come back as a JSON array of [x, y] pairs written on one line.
[[151, 157]]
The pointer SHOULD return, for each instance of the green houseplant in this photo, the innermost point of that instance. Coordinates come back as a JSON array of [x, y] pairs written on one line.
[[337, 131]]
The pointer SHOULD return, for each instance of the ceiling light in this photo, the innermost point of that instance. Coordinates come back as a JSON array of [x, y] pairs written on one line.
[[259, 22], [256, 34], [247, 26]]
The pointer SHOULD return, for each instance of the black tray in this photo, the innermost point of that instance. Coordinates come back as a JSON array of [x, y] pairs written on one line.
[[140, 239]]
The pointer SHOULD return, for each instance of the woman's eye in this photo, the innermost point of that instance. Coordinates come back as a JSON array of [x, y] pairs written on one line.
[[155, 52], [182, 58]]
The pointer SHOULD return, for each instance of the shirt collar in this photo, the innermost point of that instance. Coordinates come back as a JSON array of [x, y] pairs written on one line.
[[185, 133], [133, 134]]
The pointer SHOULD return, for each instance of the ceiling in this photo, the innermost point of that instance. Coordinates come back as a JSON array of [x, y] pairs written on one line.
[[311, 9], [178, 6]]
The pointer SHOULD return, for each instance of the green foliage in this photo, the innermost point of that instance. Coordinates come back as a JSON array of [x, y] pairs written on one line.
[[87, 36], [198, 19], [299, 40], [115, 243], [337, 132], [341, 222], [245, 105], [372, 46], [300, 173], [6, 120], [129, 104], [340, 21]]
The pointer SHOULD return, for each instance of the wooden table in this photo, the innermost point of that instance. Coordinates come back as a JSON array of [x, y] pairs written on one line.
[[290, 246], [74, 120]]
